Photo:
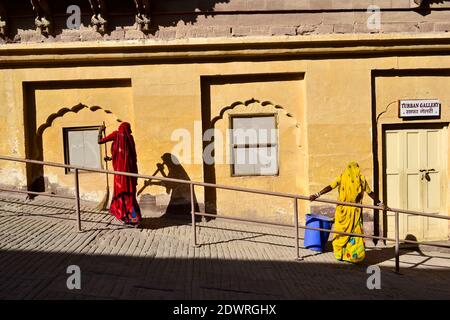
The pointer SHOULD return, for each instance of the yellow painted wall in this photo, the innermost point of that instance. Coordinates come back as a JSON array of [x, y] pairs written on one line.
[[116, 100], [389, 89], [331, 104], [289, 96]]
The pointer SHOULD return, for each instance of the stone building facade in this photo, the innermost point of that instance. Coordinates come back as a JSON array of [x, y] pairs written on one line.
[[329, 76], [174, 19]]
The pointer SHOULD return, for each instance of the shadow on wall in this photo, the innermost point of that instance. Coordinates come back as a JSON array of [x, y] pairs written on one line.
[[34, 131], [208, 119], [424, 6], [118, 14], [179, 206]]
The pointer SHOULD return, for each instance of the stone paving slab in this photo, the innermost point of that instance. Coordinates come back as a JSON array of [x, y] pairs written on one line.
[[38, 242]]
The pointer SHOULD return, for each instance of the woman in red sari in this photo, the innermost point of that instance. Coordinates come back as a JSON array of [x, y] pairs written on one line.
[[124, 205]]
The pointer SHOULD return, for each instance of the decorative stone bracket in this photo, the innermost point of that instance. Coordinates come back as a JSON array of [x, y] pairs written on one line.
[[43, 17], [99, 20], [3, 24], [143, 20]]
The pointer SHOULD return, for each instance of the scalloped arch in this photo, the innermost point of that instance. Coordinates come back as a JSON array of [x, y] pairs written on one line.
[[379, 115], [246, 104], [75, 109]]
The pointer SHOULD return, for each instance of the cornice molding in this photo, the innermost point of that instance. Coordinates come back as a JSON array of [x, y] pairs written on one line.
[[185, 50]]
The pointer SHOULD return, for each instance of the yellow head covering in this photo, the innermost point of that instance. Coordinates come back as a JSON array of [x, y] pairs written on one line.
[[350, 186]]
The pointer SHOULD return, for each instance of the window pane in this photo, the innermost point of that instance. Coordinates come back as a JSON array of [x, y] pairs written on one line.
[[252, 154], [256, 161], [76, 147], [83, 149], [267, 161], [245, 136], [244, 161], [267, 136], [91, 149], [253, 130], [266, 122]]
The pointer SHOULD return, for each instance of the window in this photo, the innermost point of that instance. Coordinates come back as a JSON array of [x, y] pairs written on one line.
[[254, 145], [81, 147]]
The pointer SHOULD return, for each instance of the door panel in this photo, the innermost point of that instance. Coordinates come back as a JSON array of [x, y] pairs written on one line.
[[413, 225], [433, 152], [413, 152], [415, 179], [413, 192], [392, 148], [393, 177], [436, 184], [433, 190]]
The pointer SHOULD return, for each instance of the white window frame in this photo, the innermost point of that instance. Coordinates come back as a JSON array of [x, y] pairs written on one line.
[[233, 146], [66, 131]]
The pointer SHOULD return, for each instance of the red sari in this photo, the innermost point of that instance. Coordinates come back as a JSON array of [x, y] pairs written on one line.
[[124, 205]]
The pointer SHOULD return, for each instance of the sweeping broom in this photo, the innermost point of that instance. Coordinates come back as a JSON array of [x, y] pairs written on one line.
[[147, 183], [104, 203]]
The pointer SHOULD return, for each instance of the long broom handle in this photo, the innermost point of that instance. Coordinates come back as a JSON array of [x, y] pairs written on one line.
[[147, 181], [106, 155]]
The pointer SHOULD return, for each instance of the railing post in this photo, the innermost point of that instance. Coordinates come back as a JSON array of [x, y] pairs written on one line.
[[397, 243], [297, 253], [194, 232], [77, 201]]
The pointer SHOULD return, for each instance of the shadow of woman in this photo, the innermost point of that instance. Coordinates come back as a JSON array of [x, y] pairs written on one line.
[[381, 255], [377, 255], [160, 223], [178, 210]]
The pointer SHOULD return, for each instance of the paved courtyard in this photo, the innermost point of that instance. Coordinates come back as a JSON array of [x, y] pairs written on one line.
[[235, 261]]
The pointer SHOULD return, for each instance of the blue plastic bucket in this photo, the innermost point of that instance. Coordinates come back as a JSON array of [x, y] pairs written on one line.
[[316, 240]]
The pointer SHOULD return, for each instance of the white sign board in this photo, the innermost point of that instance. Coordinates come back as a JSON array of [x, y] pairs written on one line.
[[419, 108]]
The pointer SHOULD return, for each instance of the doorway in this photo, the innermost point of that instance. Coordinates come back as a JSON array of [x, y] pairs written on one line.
[[415, 178]]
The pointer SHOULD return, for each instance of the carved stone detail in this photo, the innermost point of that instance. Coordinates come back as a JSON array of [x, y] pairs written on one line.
[[143, 20], [99, 20], [3, 23], [43, 17]]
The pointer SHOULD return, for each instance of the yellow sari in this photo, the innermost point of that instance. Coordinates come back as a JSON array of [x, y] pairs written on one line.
[[352, 186]]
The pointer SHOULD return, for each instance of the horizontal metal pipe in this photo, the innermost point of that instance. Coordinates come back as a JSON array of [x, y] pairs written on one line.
[[425, 243], [224, 187], [320, 229], [423, 214], [290, 225], [242, 219], [37, 193]]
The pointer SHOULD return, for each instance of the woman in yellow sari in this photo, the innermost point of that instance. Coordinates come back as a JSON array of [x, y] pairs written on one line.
[[352, 185]]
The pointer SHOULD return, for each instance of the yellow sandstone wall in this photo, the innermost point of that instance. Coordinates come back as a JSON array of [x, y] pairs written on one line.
[[330, 101], [422, 85], [118, 100], [286, 99]]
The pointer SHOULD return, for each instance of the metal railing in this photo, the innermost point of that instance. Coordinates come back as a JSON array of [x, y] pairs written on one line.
[[192, 184]]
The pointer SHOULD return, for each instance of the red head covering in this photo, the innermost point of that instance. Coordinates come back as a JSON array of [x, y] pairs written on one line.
[[123, 151]]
